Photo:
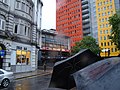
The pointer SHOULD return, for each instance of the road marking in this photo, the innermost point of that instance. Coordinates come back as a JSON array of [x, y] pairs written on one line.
[[33, 76]]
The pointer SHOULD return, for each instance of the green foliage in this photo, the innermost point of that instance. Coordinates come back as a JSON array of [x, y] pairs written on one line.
[[87, 42], [114, 21]]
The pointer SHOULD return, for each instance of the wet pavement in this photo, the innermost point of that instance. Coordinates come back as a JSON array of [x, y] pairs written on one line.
[[32, 73], [31, 83]]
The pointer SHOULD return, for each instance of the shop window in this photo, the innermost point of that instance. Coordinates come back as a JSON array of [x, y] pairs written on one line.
[[23, 57]]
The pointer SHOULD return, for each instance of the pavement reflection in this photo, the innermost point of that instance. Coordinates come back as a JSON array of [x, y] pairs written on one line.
[[35, 83]]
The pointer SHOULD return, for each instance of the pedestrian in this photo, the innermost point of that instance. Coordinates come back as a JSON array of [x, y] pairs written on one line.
[[44, 67]]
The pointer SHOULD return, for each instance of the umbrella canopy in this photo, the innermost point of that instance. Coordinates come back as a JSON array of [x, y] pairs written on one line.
[[61, 76], [102, 75]]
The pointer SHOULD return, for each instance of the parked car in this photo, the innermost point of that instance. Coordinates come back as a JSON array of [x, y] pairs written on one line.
[[5, 78]]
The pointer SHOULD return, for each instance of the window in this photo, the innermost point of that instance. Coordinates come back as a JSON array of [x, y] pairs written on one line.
[[1, 72], [16, 29], [112, 49], [2, 24], [5, 1], [110, 6], [27, 9], [104, 8], [100, 31], [110, 31], [106, 25], [25, 30], [22, 57], [21, 29], [102, 14], [98, 9], [101, 38], [101, 44], [108, 44], [17, 4], [30, 10], [28, 31], [104, 43], [23, 6], [103, 20], [106, 31], [105, 38], [99, 15]]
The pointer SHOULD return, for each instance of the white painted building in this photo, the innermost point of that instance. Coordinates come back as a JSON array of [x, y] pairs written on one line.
[[20, 24]]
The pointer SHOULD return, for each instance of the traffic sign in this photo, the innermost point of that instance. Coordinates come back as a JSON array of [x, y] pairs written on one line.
[[2, 53]]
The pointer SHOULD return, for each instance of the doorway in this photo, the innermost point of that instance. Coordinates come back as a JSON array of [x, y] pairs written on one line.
[[2, 54]]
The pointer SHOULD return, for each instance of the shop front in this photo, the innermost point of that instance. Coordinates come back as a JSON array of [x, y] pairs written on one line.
[[21, 58]]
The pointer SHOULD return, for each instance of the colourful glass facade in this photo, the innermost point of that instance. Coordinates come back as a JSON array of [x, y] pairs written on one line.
[[69, 19], [105, 9]]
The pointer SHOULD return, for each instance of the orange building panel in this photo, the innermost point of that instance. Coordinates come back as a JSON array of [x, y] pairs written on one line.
[[69, 19]]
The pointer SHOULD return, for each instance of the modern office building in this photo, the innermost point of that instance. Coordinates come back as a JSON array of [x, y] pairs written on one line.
[[105, 9], [93, 20], [86, 17], [19, 34], [69, 19], [54, 46]]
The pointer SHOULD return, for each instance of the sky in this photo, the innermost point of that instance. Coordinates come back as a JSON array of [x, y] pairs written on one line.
[[49, 14]]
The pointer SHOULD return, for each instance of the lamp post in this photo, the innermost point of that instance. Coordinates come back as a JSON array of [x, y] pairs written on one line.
[[60, 51]]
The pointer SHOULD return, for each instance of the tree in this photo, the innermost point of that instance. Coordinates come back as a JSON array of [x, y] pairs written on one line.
[[87, 42], [114, 21]]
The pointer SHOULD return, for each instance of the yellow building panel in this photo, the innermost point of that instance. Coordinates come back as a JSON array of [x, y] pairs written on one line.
[[105, 9]]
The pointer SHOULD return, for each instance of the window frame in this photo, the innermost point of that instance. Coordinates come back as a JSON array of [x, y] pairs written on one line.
[[1, 22]]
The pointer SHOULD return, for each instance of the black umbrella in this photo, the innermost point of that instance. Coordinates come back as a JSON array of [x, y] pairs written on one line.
[[61, 76]]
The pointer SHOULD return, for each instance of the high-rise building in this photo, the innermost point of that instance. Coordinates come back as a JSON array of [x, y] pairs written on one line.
[[86, 17], [93, 20], [105, 9], [69, 19]]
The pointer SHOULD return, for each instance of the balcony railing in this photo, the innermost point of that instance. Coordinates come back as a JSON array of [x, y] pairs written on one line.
[[85, 7], [85, 12], [84, 2]]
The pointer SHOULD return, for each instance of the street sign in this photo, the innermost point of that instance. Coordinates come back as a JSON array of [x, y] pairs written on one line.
[[2, 53]]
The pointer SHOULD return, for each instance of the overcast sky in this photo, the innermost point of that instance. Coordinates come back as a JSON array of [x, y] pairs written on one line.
[[49, 14]]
